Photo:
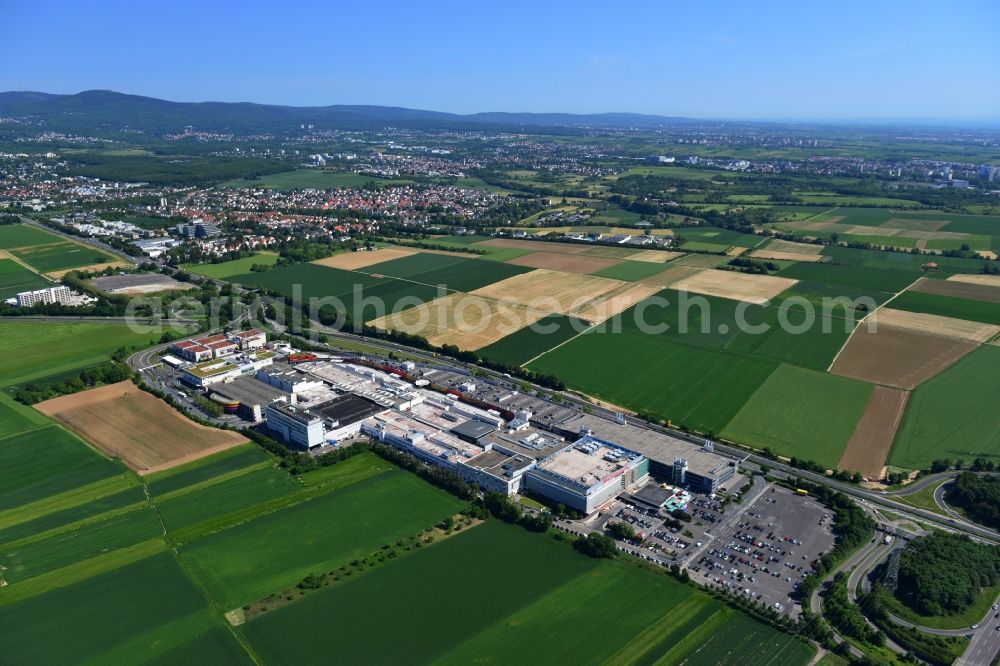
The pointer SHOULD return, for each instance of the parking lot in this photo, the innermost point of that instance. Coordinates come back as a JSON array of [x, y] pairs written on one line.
[[769, 550]]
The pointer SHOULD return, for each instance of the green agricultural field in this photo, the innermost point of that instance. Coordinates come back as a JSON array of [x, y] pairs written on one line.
[[46, 461], [14, 236], [470, 275], [415, 264], [457, 273], [312, 179], [15, 278], [143, 611], [802, 413], [33, 350], [227, 462], [347, 472], [742, 640], [948, 306], [45, 251], [16, 418], [148, 222], [225, 496], [727, 325], [59, 518], [699, 388], [61, 255], [504, 254], [460, 241], [701, 246], [227, 269], [631, 271], [902, 261], [24, 560], [521, 346], [859, 277], [953, 415], [645, 617], [277, 550], [320, 282]]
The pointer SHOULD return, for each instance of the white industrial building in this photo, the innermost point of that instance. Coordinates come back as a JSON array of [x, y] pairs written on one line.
[[587, 474]]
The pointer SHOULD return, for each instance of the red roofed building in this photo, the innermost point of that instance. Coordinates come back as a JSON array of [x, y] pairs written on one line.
[[192, 351]]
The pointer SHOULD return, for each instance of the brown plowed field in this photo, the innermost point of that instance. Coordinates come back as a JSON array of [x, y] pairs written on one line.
[[146, 433], [872, 440], [955, 289], [534, 246], [898, 357], [567, 263]]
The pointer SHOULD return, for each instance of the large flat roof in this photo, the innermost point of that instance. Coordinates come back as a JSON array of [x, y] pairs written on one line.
[[249, 391], [474, 429], [654, 445], [348, 409], [587, 462]]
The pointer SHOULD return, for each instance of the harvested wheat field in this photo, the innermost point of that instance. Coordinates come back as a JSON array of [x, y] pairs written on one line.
[[735, 285], [655, 256], [612, 303], [146, 433], [985, 280], [467, 321], [57, 275], [349, 261], [736, 251], [975, 292], [871, 442], [936, 325], [551, 291], [898, 357], [671, 275], [789, 250], [560, 261], [534, 246], [987, 254]]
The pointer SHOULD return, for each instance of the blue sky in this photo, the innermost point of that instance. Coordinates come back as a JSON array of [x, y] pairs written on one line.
[[781, 60]]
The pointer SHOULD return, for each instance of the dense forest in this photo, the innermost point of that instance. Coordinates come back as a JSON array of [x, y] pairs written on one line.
[[978, 496], [943, 573]]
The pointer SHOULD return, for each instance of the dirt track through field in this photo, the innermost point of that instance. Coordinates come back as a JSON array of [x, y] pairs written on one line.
[[146, 433], [871, 442], [898, 357]]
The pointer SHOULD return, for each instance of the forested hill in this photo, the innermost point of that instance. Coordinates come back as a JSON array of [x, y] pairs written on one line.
[[113, 111]]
